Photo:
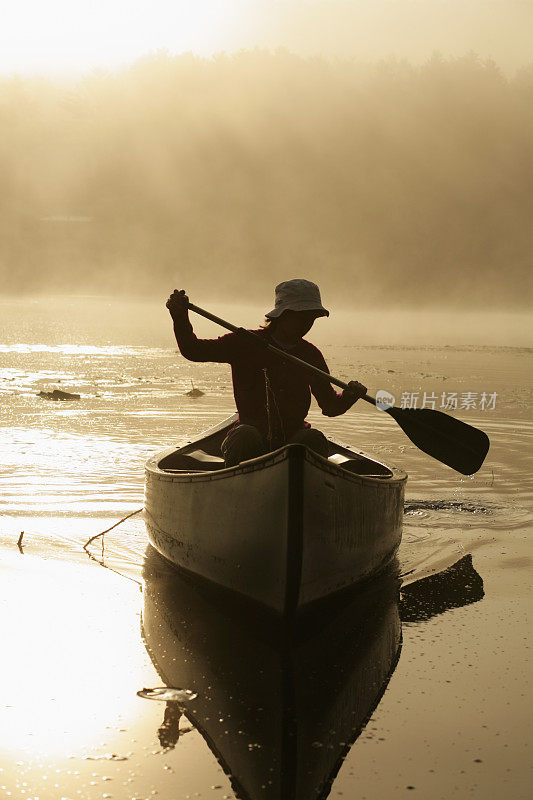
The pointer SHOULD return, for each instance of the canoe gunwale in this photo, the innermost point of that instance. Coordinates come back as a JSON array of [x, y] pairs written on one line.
[[155, 472], [153, 469]]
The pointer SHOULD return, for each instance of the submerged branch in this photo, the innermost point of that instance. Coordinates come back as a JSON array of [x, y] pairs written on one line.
[[102, 533]]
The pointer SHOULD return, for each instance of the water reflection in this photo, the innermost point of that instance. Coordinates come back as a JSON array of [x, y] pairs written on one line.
[[278, 713], [459, 585], [281, 713]]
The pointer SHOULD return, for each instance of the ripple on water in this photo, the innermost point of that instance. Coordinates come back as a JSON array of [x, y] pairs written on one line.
[[472, 513], [168, 694]]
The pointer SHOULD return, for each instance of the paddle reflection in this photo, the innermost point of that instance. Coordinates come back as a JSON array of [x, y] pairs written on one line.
[[281, 713], [459, 585]]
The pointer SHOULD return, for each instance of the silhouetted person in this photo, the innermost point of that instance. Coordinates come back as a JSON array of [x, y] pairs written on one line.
[[169, 731], [272, 396]]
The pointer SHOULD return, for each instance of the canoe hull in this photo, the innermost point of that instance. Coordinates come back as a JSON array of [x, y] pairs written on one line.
[[351, 528], [227, 527], [285, 530]]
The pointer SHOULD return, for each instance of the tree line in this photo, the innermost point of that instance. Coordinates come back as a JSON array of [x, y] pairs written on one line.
[[389, 182]]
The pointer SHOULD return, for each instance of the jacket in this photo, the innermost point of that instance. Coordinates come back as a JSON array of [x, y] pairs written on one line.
[[270, 394]]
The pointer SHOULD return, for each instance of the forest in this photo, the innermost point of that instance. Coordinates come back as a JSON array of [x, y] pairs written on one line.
[[389, 182]]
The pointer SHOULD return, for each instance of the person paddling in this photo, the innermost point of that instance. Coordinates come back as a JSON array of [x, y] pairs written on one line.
[[272, 396]]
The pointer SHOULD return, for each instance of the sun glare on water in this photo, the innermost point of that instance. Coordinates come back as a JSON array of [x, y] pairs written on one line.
[[64, 675]]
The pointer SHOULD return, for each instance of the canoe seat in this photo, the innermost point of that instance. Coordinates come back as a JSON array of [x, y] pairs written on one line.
[[358, 465], [192, 461], [208, 458]]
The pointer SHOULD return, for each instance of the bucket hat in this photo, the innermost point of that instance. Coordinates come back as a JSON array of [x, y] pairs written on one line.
[[297, 295]]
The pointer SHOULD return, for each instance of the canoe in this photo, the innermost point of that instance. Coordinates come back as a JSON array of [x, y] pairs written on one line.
[[279, 714], [284, 530]]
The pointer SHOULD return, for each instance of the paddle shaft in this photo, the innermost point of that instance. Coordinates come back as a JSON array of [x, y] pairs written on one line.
[[282, 353], [451, 441]]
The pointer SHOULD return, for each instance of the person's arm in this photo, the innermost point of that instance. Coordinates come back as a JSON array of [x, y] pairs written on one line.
[[192, 348], [331, 402]]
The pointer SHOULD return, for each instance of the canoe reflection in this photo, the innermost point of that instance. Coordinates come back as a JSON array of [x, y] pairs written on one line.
[[279, 713]]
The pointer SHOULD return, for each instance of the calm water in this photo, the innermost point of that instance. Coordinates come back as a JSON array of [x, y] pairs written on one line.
[[340, 713]]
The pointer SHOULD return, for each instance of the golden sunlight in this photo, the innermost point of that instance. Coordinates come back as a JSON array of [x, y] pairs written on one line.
[[62, 36], [66, 673]]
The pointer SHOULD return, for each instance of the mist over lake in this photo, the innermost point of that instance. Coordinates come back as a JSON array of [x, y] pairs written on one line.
[[396, 183], [338, 609]]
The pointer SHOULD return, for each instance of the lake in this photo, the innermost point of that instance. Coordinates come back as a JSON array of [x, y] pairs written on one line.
[[423, 693]]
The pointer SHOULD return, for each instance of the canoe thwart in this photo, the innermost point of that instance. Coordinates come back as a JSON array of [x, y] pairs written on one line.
[[360, 466]]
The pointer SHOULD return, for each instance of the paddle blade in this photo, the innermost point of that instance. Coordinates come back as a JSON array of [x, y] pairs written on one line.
[[449, 440]]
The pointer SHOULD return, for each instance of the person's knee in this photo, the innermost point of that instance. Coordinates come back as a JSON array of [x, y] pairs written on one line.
[[313, 439], [242, 443]]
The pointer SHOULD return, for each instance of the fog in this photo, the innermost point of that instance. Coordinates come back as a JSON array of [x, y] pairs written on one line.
[[389, 183], [376, 29], [60, 36]]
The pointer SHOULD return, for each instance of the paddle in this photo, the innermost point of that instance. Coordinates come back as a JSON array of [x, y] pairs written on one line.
[[451, 441]]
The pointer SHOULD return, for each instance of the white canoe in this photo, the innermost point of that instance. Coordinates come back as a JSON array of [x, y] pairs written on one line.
[[285, 529]]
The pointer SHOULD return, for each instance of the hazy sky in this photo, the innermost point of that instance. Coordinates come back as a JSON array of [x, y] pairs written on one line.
[[55, 36]]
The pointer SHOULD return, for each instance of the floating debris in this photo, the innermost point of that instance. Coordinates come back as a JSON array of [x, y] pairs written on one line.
[[168, 694], [194, 392], [58, 394], [104, 757]]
